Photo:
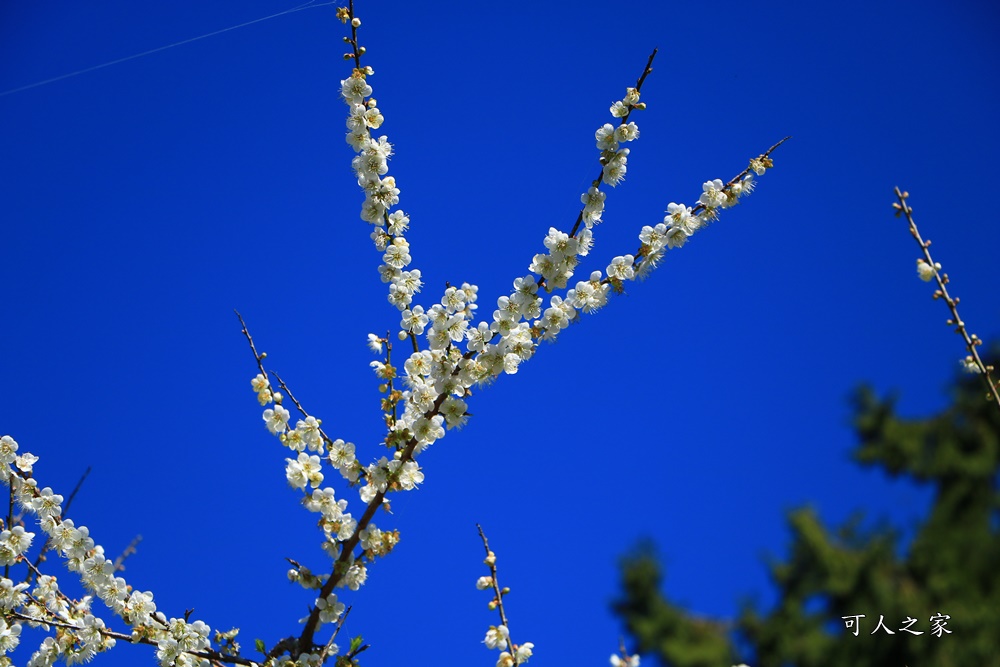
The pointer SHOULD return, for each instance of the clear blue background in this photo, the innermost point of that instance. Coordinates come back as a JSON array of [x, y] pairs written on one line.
[[141, 203]]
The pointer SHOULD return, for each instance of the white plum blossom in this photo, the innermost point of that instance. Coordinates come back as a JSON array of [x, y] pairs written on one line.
[[713, 195], [276, 419], [355, 89], [497, 636], [398, 222], [605, 136], [593, 206], [262, 387], [398, 254], [11, 594], [8, 450], [681, 217], [615, 167], [330, 609], [409, 475], [355, 576], [13, 544], [629, 132], [620, 268], [453, 410], [10, 636], [414, 320], [927, 271], [303, 470]]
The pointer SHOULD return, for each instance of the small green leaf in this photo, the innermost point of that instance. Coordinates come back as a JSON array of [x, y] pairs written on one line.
[[356, 643], [259, 645]]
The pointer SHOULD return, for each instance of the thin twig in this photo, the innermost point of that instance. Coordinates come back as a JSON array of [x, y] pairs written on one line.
[[129, 550], [259, 358], [491, 562], [336, 631], [76, 489], [972, 341]]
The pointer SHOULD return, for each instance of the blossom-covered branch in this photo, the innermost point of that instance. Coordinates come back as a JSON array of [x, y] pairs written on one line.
[[425, 393]]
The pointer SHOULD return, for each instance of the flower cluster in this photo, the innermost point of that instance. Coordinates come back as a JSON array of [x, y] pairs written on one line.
[[305, 472], [80, 635]]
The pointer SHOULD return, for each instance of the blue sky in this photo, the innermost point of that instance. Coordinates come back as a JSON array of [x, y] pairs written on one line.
[[142, 202]]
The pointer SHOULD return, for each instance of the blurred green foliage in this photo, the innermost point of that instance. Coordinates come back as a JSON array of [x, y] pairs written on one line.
[[951, 567]]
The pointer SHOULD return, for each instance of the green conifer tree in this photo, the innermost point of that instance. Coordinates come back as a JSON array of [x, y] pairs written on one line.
[[952, 566]]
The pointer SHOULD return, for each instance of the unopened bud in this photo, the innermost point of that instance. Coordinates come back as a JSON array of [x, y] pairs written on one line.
[[355, 22]]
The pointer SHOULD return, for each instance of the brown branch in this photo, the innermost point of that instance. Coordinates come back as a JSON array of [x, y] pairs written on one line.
[[347, 548]]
